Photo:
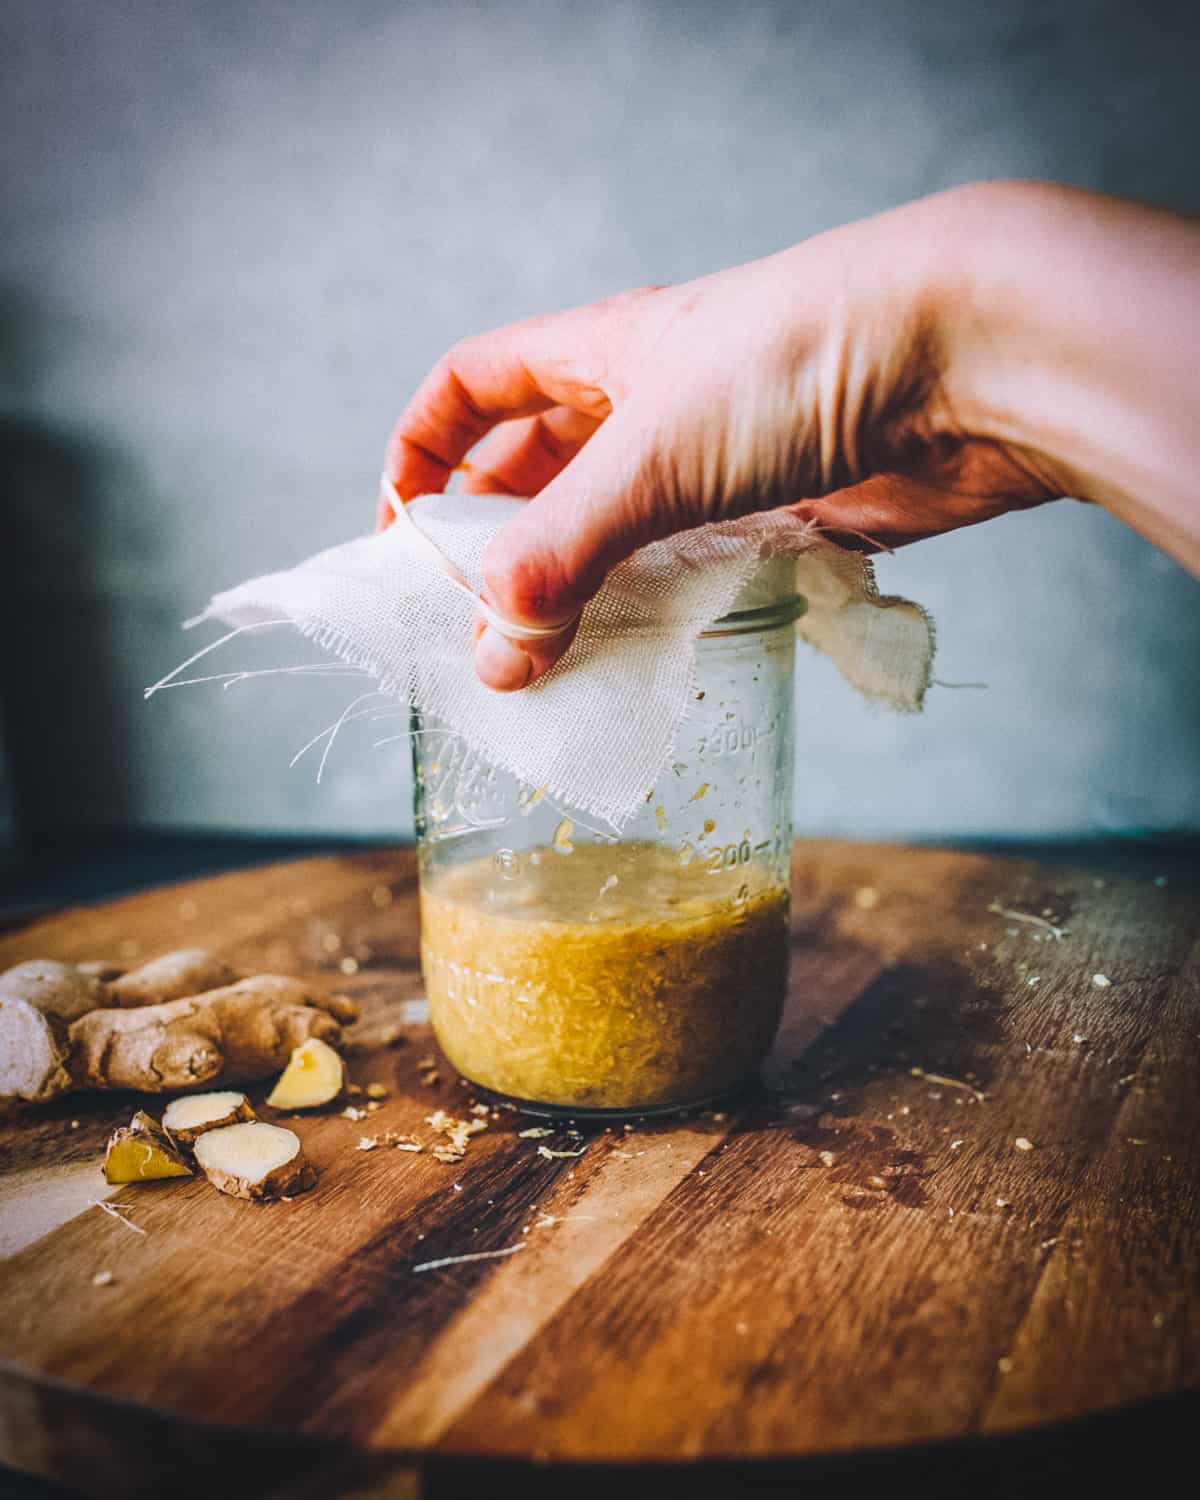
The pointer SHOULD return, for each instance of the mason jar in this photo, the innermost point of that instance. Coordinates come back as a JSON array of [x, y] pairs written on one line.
[[577, 970]]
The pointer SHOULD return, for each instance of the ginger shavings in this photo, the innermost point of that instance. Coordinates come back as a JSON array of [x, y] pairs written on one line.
[[1029, 919], [950, 1083], [457, 1134]]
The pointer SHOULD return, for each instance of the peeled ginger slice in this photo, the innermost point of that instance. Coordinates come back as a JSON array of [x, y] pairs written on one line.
[[188, 1118], [313, 1077], [142, 1151], [254, 1160]]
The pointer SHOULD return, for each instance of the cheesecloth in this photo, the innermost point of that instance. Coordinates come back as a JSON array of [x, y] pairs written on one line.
[[386, 605]]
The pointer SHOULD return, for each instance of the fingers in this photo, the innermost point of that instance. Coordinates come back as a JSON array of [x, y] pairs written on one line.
[[522, 457], [543, 567], [463, 396], [508, 665], [555, 380], [517, 371]]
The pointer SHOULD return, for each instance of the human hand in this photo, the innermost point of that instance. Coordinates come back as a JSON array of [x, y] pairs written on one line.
[[839, 378]]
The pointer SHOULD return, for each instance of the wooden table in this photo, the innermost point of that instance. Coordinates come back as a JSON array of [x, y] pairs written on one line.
[[858, 1271]]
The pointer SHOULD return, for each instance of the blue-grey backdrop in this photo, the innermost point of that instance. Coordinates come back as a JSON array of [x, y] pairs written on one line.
[[236, 234]]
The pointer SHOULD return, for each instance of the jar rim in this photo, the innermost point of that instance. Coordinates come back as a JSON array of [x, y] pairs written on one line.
[[768, 617]]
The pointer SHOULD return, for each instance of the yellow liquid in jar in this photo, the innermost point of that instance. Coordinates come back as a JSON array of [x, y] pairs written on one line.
[[604, 978]]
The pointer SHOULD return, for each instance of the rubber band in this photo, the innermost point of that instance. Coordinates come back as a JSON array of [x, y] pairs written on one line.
[[499, 622]]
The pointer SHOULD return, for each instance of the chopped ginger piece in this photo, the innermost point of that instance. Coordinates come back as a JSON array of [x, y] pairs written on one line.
[[254, 1160], [188, 1118], [313, 1077], [142, 1151]]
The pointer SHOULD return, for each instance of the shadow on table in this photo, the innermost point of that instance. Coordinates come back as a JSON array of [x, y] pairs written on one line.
[[1098, 1454]]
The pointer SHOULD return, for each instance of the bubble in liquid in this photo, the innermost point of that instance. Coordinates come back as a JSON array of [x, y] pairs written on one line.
[[507, 863]]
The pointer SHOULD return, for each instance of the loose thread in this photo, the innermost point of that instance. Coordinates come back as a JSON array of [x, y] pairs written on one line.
[[206, 650], [330, 732], [460, 1260], [114, 1212], [230, 679]]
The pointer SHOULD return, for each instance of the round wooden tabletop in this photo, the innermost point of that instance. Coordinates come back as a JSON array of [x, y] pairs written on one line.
[[964, 1203]]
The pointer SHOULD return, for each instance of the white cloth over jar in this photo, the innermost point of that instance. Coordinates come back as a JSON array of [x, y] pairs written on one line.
[[598, 729]]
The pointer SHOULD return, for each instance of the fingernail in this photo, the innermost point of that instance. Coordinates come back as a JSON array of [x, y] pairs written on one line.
[[501, 664]]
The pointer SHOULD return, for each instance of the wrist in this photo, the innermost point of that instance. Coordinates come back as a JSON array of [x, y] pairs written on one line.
[[1067, 322], [1004, 365]]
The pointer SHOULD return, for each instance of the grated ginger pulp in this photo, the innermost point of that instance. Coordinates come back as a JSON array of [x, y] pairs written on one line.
[[565, 987]]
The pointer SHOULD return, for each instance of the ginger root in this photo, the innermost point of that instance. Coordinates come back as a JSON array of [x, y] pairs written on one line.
[[173, 976], [188, 1118], [314, 1075], [33, 1053], [142, 1151], [284, 989], [281, 987], [101, 968], [237, 1033], [163, 1026], [56, 989], [341, 1008], [38, 1001], [254, 1160]]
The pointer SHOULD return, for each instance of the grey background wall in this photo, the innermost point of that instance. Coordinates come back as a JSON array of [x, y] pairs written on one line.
[[236, 234]]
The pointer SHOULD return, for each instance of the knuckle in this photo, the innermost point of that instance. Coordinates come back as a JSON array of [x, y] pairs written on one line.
[[526, 586]]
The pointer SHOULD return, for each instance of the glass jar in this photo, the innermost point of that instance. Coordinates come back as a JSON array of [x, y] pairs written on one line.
[[578, 972]]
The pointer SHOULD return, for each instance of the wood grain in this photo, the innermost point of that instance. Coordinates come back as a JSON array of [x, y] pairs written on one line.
[[855, 1256]]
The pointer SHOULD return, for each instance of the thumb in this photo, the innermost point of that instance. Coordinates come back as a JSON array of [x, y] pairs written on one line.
[[548, 561]]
